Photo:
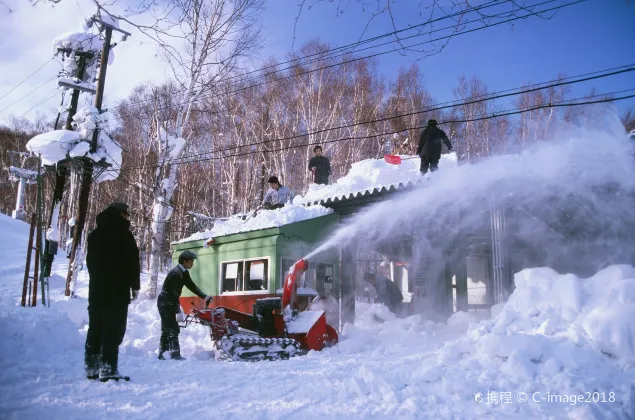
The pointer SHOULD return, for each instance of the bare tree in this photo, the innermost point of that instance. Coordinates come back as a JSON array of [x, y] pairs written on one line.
[[215, 36]]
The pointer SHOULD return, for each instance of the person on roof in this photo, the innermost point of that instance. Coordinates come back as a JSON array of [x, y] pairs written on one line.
[[169, 306], [277, 196], [430, 146], [114, 273], [320, 166]]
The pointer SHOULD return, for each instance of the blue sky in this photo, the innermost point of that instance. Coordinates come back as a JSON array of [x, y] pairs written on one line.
[[590, 36], [586, 37]]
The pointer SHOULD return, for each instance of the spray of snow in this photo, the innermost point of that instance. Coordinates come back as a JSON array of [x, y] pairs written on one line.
[[569, 197]]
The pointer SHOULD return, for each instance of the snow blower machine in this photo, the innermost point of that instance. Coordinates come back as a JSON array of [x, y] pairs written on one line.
[[275, 330]]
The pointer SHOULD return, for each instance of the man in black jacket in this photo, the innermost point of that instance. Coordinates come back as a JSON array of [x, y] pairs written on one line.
[[430, 146], [169, 307], [113, 268], [320, 166]]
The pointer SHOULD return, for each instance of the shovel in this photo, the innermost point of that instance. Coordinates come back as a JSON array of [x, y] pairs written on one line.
[[396, 160]]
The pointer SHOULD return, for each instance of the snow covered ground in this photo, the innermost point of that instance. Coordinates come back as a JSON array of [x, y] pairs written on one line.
[[558, 337]]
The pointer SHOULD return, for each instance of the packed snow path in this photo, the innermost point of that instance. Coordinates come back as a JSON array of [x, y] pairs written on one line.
[[547, 339]]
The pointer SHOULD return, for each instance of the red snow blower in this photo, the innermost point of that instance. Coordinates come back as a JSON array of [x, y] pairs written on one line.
[[275, 329]]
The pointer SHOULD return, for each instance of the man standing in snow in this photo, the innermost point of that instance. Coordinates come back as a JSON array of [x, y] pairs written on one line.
[[387, 291], [114, 271], [320, 166], [277, 196], [169, 307], [430, 146]]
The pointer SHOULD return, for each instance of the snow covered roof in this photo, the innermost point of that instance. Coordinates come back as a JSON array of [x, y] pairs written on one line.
[[366, 177], [369, 177], [265, 219]]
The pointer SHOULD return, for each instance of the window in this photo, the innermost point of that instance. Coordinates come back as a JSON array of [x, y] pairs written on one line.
[[245, 276]]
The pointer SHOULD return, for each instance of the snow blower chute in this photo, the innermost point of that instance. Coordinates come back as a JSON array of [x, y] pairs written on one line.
[[275, 330]]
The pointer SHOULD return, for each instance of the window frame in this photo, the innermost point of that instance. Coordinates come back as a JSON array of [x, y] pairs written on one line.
[[267, 273]]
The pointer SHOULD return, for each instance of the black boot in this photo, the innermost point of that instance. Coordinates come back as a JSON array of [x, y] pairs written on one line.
[[91, 366], [176, 355], [161, 357]]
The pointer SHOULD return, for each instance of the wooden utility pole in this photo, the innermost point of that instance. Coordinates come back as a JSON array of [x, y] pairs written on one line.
[[61, 170], [88, 164]]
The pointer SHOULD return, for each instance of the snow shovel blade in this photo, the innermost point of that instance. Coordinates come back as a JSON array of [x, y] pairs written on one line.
[[392, 159]]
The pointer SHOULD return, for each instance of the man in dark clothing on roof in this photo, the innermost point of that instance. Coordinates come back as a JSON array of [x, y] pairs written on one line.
[[113, 268], [430, 146], [320, 166], [169, 306]]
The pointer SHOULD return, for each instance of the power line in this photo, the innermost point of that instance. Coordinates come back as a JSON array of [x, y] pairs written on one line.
[[228, 92], [27, 78], [566, 103], [37, 88], [46, 99], [446, 105], [322, 55]]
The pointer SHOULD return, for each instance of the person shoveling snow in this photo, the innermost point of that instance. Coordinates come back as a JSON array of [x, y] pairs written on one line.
[[430, 146]]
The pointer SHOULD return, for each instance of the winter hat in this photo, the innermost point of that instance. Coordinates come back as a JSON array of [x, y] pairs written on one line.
[[273, 180], [186, 255], [432, 123], [121, 208]]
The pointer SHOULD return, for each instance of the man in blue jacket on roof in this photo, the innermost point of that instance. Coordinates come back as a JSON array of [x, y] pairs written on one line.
[[277, 196]]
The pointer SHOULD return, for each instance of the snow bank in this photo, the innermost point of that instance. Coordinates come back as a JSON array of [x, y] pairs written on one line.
[[372, 173], [263, 220]]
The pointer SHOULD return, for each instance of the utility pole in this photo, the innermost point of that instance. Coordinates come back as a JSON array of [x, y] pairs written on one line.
[[88, 164], [61, 169], [25, 176]]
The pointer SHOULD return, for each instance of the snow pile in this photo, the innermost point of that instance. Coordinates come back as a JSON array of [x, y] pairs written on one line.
[[172, 144], [372, 173], [557, 334], [54, 146], [263, 220], [78, 41]]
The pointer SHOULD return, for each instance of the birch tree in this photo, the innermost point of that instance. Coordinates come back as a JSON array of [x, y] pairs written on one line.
[[207, 41]]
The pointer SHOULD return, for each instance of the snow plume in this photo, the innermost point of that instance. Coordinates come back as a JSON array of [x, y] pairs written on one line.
[[568, 203]]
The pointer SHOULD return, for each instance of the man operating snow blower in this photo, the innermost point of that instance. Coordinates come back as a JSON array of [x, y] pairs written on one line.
[[169, 307], [430, 146]]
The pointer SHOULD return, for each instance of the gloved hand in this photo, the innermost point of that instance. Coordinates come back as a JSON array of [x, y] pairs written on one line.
[[135, 295], [208, 299], [180, 316]]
